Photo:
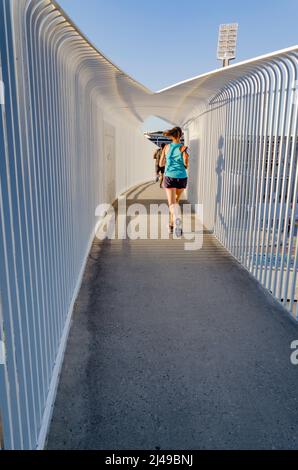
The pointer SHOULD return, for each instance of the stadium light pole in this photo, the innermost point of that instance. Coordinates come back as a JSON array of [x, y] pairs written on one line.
[[227, 41]]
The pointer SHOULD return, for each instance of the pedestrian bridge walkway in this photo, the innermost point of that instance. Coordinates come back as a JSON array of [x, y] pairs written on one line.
[[174, 349], [168, 347]]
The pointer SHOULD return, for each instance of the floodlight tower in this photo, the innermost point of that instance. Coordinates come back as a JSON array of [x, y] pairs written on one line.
[[227, 40]]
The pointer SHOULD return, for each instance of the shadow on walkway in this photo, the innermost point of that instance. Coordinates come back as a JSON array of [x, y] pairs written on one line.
[[174, 349]]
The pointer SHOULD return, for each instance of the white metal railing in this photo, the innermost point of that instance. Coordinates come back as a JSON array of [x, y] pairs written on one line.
[[69, 140], [244, 163], [62, 152]]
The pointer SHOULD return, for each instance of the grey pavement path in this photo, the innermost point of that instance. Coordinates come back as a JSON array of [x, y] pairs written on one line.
[[174, 349]]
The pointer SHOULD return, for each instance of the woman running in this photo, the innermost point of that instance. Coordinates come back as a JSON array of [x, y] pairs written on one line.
[[159, 169], [176, 158]]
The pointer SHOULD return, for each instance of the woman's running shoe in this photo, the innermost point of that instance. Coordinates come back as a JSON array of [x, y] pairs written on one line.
[[178, 228]]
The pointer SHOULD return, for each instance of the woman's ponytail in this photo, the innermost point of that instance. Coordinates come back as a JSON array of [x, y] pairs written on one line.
[[176, 132]]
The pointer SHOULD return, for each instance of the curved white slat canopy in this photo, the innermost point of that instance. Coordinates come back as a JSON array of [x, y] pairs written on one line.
[[177, 103], [70, 141]]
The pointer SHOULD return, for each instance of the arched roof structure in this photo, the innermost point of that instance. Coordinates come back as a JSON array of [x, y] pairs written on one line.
[[124, 95]]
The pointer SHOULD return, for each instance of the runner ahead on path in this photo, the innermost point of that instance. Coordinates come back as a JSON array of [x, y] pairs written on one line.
[[175, 157]]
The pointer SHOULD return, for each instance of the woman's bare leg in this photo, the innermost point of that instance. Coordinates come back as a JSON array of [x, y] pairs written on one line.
[[171, 195], [178, 194]]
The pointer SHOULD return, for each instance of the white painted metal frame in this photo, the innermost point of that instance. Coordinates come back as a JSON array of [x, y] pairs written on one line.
[[247, 137], [59, 91]]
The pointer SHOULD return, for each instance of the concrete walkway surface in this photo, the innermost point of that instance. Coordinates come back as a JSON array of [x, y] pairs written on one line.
[[174, 349]]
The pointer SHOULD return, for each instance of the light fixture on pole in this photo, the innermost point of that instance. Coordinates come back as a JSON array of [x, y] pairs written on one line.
[[227, 40]]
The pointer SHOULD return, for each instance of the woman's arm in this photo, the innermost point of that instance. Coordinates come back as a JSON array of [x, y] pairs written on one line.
[[185, 158], [185, 155], [155, 154]]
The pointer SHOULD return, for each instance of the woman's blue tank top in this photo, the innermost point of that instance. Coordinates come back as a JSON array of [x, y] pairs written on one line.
[[175, 164]]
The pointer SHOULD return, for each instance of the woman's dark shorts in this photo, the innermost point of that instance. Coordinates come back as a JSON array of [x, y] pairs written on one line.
[[171, 183]]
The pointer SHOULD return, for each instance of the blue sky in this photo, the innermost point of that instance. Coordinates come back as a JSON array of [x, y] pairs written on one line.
[[161, 42]]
